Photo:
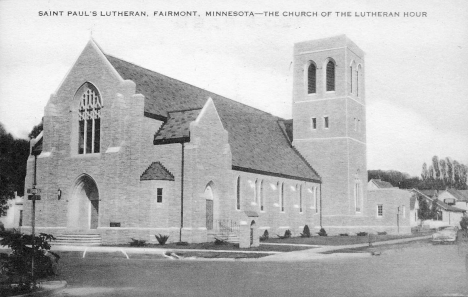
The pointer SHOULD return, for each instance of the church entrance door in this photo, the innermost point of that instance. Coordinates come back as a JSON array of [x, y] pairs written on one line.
[[83, 206]]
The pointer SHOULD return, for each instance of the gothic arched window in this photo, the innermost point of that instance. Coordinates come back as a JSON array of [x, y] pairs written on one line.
[[89, 119], [238, 193], [311, 79], [330, 75]]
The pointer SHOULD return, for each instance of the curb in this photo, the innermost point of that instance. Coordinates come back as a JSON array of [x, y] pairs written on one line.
[[47, 288]]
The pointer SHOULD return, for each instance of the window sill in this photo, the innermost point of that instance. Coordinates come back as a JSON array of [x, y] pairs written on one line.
[[84, 156]]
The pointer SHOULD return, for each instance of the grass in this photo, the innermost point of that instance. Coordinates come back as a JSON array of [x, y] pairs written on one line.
[[228, 246], [220, 255], [339, 240], [383, 248]]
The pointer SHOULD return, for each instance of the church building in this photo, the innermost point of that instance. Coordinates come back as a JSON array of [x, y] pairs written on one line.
[[127, 152]]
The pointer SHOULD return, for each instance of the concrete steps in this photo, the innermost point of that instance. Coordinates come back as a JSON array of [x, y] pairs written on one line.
[[77, 239], [231, 237]]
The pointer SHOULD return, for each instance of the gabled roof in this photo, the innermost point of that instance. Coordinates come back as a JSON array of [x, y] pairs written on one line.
[[156, 171], [382, 184], [430, 193], [441, 204], [257, 141], [37, 144], [176, 128], [458, 194]]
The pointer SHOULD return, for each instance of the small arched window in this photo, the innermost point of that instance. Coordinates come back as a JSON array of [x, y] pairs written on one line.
[[238, 193], [352, 69], [256, 190], [358, 79], [262, 199], [299, 188], [282, 197], [89, 119], [312, 78], [330, 76], [357, 193]]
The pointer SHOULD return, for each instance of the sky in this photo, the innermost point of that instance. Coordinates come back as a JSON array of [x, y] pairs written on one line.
[[416, 67]]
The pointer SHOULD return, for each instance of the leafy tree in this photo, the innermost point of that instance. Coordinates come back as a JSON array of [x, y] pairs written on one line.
[[434, 209], [456, 174], [424, 212], [424, 173], [449, 172], [430, 172], [443, 170], [435, 165], [13, 157], [36, 129]]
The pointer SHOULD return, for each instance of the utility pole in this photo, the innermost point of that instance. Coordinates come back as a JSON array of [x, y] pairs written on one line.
[[34, 191]]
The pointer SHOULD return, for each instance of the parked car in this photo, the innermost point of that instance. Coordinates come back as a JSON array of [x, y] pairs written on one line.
[[445, 234]]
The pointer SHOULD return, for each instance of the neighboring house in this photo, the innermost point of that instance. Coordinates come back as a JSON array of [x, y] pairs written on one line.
[[375, 184], [457, 198], [414, 207], [449, 215], [14, 215], [127, 152]]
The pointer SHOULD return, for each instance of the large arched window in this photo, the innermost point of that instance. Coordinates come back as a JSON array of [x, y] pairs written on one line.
[[312, 78], [238, 193], [89, 119], [281, 194], [352, 69], [330, 76]]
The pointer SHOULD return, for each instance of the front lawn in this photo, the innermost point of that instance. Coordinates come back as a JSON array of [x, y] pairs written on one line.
[[226, 246], [338, 240]]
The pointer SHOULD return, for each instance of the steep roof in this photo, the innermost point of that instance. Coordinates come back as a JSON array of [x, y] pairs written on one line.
[[156, 171], [257, 141], [441, 204], [382, 184], [176, 128], [458, 194]]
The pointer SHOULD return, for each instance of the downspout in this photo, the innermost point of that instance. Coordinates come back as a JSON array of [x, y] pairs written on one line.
[[182, 193], [321, 206]]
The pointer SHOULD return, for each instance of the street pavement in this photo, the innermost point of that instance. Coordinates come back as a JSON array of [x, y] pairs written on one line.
[[419, 269]]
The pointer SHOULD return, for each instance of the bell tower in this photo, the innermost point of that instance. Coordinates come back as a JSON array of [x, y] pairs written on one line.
[[329, 116]]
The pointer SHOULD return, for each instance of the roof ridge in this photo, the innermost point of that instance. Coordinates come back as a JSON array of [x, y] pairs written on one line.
[[152, 71]]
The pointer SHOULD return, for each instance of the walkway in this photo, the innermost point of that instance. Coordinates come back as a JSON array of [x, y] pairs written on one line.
[[317, 253]]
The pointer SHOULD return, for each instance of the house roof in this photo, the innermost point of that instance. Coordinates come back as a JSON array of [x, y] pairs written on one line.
[[441, 204], [459, 194], [382, 184], [176, 128], [258, 143], [156, 171], [430, 193]]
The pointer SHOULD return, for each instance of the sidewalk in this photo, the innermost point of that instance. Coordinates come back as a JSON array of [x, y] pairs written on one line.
[[317, 253]]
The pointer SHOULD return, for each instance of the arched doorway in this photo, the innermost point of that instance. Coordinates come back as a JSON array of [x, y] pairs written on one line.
[[83, 207], [209, 207], [252, 227]]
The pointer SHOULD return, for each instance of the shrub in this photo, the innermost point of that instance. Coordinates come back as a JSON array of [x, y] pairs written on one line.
[[162, 239], [182, 243], [381, 233], [220, 241], [361, 234], [265, 236], [306, 232], [287, 234], [464, 223], [16, 267], [136, 242], [344, 234], [322, 232]]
